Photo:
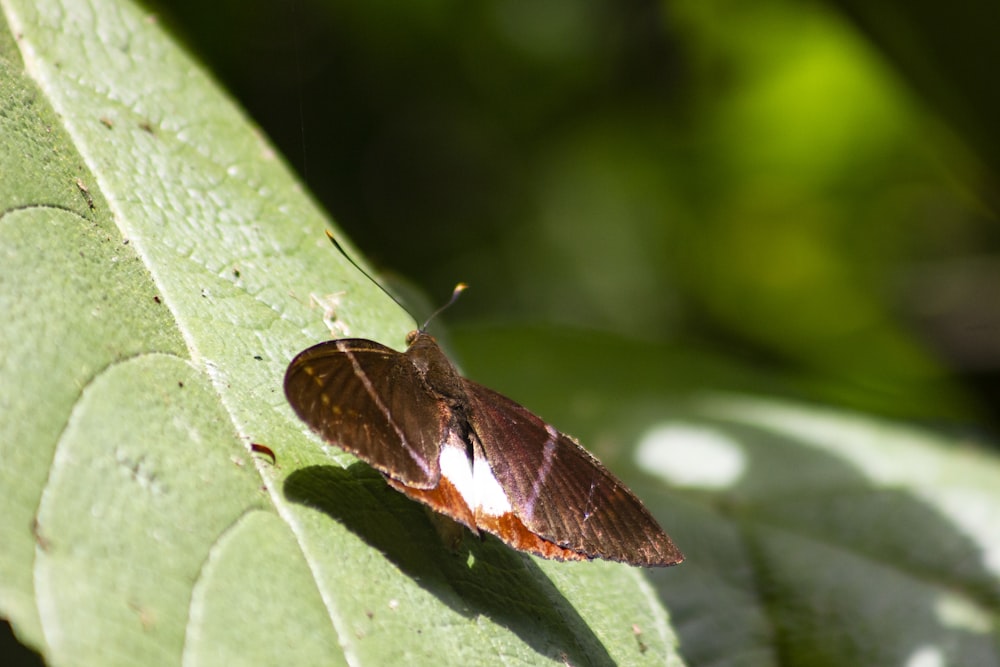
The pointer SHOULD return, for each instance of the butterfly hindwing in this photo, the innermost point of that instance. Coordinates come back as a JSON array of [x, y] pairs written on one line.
[[359, 395], [561, 492]]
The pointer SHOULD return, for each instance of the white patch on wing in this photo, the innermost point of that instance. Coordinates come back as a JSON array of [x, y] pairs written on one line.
[[474, 481], [491, 497], [455, 465]]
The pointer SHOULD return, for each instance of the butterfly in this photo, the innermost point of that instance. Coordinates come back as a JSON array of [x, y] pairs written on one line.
[[471, 453]]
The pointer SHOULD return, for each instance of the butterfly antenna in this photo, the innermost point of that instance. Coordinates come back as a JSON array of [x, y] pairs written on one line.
[[367, 275], [459, 288]]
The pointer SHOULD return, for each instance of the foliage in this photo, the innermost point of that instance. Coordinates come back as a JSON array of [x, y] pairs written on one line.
[[161, 266]]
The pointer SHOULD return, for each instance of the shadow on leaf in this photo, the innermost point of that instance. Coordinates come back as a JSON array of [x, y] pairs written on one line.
[[483, 577]]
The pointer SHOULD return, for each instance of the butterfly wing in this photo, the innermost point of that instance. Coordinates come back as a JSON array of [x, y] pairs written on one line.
[[559, 491], [366, 398]]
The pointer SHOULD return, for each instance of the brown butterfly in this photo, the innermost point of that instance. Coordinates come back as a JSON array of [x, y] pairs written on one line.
[[470, 453]]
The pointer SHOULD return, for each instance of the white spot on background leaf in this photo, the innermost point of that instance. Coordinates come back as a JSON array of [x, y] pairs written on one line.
[[925, 656], [691, 455], [957, 612]]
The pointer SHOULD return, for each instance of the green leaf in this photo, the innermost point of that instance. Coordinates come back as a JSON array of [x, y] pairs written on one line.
[[847, 540], [160, 268]]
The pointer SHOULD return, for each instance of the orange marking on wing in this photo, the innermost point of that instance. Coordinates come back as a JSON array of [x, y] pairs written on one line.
[[446, 499], [443, 498], [511, 530]]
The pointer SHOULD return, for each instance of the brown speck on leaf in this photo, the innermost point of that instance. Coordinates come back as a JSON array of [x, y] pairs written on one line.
[[86, 193], [146, 617], [36, 529], [107, 122], [258, 448], [637, 631]]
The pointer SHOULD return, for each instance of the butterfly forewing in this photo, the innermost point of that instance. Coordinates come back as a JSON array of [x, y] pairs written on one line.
[[559, 491], [359, 395]]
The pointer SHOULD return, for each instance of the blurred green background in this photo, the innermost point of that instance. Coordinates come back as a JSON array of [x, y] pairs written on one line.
[[804, 192]]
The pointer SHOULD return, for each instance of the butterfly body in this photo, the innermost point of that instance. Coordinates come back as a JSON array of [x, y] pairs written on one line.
[[471, 453]]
